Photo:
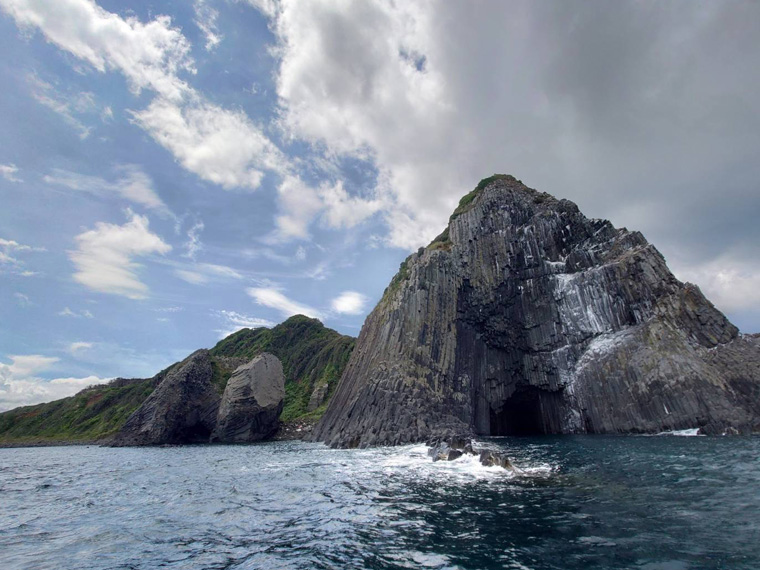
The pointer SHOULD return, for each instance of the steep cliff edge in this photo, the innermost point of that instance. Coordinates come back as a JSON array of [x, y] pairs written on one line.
[[526, 317]]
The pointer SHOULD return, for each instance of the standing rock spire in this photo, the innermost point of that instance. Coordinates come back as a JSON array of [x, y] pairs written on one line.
[[526, 317]]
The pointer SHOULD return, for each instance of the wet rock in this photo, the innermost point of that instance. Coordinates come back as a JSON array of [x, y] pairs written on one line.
[[491, 458], [252, 402], [525, 317], [182, 408]]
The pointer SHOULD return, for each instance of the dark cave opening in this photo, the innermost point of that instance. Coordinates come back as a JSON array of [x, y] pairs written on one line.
[[520, 415]]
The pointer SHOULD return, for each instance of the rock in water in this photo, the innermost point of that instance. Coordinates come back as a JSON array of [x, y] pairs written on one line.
[[182, 408], [526, 317], [252, 402]]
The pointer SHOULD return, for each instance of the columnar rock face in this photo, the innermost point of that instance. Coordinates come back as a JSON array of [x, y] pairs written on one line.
[[526, 317], [182, 409], [252, 402]]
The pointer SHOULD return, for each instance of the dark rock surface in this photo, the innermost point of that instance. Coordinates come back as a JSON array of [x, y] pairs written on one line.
[[252, 402], [526, 317], [182, 409]]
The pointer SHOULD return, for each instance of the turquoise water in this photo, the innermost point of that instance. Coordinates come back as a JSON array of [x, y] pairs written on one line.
[[656, 503]]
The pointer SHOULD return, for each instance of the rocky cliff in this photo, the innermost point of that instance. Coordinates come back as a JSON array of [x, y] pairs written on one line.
[[313, 358], [182, 409], [526, 317]]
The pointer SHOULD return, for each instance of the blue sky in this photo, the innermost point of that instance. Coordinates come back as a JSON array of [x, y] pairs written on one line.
[[173, 171]]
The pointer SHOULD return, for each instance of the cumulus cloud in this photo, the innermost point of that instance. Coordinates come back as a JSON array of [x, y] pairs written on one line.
[[220, 145], [349, 303], [132, 184], [9, 171], [612, 104], [275, 299], [104, 258], [20, 384]]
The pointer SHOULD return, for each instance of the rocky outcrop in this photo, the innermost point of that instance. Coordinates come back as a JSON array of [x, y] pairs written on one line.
[[182, 409], [526, 317], [252, 402], [318, 396]]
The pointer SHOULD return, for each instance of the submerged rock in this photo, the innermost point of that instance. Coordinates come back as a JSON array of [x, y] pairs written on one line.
[[252, 402], [526, 317], [182, 408]]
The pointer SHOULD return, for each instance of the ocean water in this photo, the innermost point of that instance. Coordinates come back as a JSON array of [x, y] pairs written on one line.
[[654, 503]]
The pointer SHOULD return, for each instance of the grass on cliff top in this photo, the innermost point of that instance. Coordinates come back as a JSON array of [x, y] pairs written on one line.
[[311, 354], [442, 241]]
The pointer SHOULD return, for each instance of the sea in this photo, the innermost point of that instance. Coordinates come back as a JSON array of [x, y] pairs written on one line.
[[674, 501]]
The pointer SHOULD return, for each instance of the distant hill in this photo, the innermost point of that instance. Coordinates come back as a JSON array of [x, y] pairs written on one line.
[[312, 356]]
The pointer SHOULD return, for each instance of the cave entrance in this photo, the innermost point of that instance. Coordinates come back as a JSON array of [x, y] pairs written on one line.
[[521, 414]]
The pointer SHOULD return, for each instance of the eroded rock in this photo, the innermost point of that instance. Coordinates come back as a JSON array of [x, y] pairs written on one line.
[[252, 402]]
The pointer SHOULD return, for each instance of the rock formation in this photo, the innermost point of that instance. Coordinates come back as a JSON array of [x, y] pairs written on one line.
[[526, 317], [182, 408], [252, 402]]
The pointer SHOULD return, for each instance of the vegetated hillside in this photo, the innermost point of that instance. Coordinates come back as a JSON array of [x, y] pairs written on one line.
[[94, 413], [311, 355]]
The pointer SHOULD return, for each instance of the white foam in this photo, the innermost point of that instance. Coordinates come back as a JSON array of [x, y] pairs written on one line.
[[691, 432]]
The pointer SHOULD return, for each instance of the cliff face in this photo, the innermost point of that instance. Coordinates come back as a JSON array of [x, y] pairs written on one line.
[[182, 409], [525, 317]]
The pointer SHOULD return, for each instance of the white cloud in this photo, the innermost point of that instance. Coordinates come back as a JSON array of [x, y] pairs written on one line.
[[104, 257], [67, 312], [730, 282], [201, 273], [9, 171], [205, 19], [76, 347], [150, 55], [9, 257], [349, 303], [67, 105], [132, 184], [219, 145], [234, 322], [20, 384], [23, 300], [274, 299], [193, 244]]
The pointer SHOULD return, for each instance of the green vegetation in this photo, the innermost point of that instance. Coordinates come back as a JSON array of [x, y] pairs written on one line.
[[398, 279], [311, 354], [443, 241], [93, 413]]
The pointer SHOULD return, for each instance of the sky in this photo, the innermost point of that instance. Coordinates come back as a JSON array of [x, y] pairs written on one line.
[[173, 171]]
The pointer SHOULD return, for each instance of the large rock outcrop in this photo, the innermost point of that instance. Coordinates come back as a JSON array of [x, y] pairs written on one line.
[[252, 402], [525, 317], [182, 408]]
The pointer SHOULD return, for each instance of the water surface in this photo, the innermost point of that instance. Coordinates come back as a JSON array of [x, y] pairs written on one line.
[[655, 503]]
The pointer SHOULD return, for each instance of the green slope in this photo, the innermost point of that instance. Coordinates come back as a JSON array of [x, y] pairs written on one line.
[[310, 354]]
